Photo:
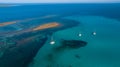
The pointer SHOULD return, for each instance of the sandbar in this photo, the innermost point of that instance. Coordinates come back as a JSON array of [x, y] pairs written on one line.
[[46, 26], [7, 23]]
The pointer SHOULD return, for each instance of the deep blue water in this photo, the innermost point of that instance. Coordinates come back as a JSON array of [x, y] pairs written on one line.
[[35, 10]]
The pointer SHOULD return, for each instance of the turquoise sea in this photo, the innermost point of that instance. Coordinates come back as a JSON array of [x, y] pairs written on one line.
[[96, 24], [102, 50]]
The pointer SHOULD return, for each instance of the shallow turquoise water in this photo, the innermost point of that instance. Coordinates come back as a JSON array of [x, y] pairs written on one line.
[[102, 50]]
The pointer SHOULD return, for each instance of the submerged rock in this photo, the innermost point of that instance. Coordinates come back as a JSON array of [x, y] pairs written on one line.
[[70, 44], [73, 43], [77, 56]]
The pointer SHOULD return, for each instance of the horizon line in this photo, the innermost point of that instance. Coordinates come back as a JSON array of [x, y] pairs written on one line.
[[60, 3]]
